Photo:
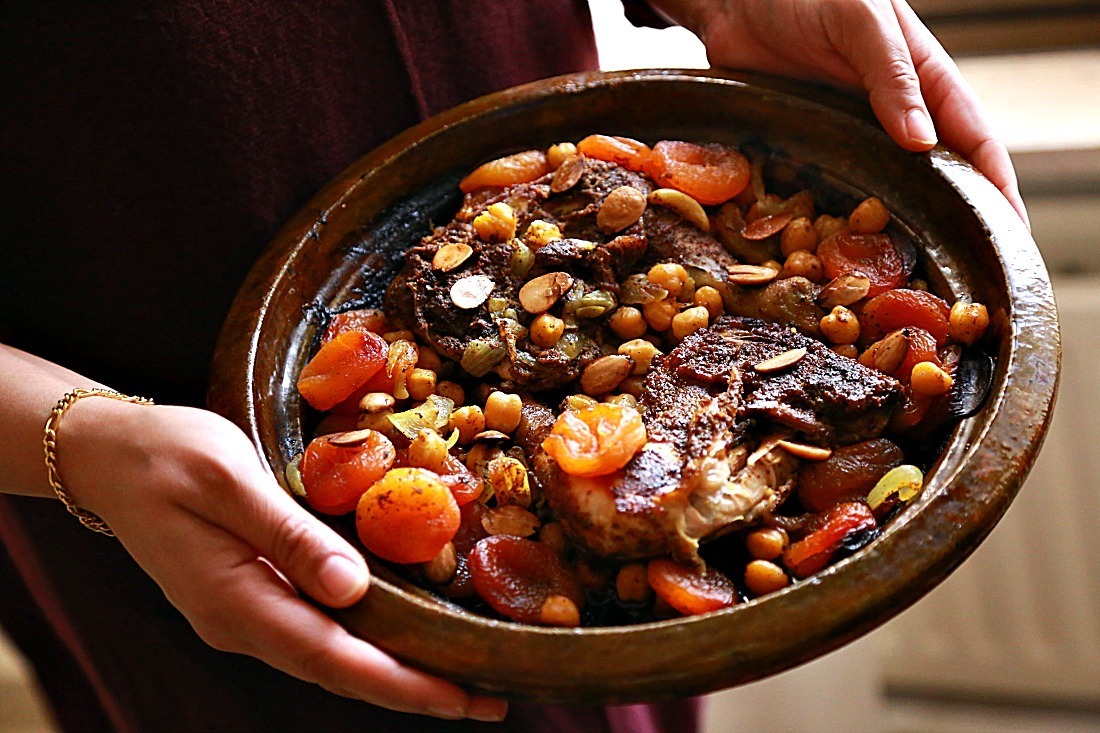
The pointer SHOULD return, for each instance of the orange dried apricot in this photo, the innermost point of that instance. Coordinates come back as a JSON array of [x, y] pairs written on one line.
[[711, 174], [340, 367], [627, 152], [688, 590], [507, 171], [596, 440], [872, 255], [407, 516], [813, 552], [335, 476], [516, 576], [898, 308]]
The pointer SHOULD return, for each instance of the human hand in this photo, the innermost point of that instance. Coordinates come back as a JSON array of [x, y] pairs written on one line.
[[185, 493], [880, 46]]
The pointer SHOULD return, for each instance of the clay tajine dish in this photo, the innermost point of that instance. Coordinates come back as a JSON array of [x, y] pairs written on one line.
[[348, 242]]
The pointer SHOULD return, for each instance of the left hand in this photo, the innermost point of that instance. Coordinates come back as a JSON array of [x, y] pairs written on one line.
[[881, 46]]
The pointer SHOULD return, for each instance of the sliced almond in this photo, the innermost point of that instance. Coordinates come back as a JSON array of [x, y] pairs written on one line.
[[890, 352], [492, 435], [844, 290], [778, 363], [568, 174], [374, 402], [682, 204], [451, 255], [605, 374], [622, 207], [802, 450], [540, 294], [472, 291], [350, 439], [766, 226], [767, 445], [510, 519], [751, 274]]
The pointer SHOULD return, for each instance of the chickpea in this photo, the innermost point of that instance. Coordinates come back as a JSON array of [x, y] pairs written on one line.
[[840, 326], [428, 359], [772, 265], [502, 411], [826, 226], [633, 386], [420, 383], [558, 154], [547, 330], [497, 223], [967, 322], [804, 264], [469, 421], [541, 233], [918, 284], [767, 543], [452, 391], [763, 577], [798, 235], [689, 321], [559, 610], [428, 450], [627, 323], [670, 276], [632, 583], [402, 335], [870, 217], [441, 569], [659, 313], [641, 352], [849, 350], [929, 380], [710, 299]]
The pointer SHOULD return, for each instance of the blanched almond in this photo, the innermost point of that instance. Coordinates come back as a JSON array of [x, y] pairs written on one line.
[[540, 294], [682, 204], [605, 374], [783, 361], [622, 207], [751, 274], [451, 255], [350, 439], [890, 352], [802, 450], [568, 174], [472, 291], [441, 568], [373, 402], [844, 290], [510, 519], [766, 226]]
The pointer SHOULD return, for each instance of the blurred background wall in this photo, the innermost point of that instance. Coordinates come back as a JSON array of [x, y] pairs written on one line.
[[1011, 641]]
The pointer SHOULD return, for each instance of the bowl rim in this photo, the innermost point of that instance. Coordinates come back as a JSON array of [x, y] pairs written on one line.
[[1005, 433]]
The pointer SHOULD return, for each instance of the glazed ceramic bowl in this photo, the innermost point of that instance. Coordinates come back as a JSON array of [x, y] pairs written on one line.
[[347, 243]]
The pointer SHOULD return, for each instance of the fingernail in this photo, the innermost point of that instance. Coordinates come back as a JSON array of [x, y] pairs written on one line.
[[448, 713], [487, 710], [341, 578], [919, 126]]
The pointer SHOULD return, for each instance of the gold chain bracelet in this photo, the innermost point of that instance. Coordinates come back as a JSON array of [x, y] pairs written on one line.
[[49, 444]]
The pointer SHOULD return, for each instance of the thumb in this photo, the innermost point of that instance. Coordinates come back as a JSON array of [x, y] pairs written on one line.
[[309, 553], [882, 59]]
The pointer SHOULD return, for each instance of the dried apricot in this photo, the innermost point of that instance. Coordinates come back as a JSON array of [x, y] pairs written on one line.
[[509, 170], [872, 255], [596, 440], [901, 307], [335, 476], [340, 367], [849, 473], [370, 320], [516, 576], [711, 174], [627, 152], [407, 516], [813, 552], [688, 590]]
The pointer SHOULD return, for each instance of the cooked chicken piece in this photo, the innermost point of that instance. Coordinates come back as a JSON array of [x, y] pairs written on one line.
[[702, 406]]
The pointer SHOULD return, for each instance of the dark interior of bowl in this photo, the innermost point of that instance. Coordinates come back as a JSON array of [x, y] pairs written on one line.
[[346, 245]]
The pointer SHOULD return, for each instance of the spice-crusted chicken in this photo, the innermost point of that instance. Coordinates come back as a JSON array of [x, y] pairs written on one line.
[[704, 405]]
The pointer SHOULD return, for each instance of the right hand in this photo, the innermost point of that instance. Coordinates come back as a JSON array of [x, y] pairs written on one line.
[[185, 493]]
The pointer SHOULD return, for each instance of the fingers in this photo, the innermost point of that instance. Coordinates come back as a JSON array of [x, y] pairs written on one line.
[[247, 607], [876, 48], [957, 108]]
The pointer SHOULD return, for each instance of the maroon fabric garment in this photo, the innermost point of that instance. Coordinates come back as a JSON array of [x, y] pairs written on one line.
[[150, 152]]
